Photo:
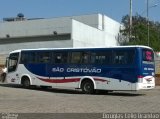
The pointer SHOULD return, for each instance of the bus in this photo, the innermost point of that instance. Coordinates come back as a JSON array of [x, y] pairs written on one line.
[[120, 68]]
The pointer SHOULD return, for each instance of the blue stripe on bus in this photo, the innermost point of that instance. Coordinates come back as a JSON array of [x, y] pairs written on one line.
[[117, 73]]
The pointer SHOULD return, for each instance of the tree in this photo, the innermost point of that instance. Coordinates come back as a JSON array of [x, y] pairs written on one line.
[[139, 32]]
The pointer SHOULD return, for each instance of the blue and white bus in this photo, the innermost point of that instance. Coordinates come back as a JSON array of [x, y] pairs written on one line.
[[116, 68]]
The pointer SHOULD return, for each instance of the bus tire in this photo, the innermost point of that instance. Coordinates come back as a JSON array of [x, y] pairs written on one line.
[[3, 77], [26, 82], [87, 87]]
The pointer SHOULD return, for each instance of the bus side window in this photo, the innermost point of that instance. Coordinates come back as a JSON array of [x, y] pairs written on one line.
[[23, 58], [93, 58], [101, 57], [43, 57], [85, 58], [123, 57], [119, 57], [28, 57], [60, 57], [76, 57]]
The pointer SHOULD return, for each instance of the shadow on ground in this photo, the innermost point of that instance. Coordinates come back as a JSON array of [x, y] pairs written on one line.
[[77, 91]]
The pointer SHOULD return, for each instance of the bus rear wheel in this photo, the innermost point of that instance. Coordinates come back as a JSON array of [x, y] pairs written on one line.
[[26, 82], [87, 87]]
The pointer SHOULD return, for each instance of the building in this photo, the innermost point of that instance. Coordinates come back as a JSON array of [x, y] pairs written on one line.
[[95, 30]]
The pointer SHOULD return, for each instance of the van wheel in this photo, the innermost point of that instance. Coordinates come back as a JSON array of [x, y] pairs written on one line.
[[26, 83], [87, 87]]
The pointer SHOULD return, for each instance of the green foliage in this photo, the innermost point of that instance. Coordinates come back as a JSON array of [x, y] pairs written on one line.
[[139, 32]]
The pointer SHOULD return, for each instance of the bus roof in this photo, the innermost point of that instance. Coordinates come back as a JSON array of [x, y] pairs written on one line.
[[130, 46]]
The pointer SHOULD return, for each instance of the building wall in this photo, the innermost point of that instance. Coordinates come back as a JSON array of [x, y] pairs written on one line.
[[35, 27], [102, 31], [2, 60], [86, 36], [108, 27], [91, 20], [111, 29], [30, 34], [61, 25]]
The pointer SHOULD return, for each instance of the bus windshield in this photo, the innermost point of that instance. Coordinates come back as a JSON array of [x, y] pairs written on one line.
[[12, 62]]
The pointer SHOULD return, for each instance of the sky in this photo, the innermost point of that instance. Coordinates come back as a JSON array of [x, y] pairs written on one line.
[[114, 9]]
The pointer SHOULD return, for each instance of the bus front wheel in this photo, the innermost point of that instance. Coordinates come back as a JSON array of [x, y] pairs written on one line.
[[26, 82], [87, 87]]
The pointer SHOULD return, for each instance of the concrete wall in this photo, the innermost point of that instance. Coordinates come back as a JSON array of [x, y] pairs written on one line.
[[35, 27], [61, 25], [86, 36], [108, 27], [111, 29], [2, 60], [91, 20], [44, 26], [29, 34], [102, 31]]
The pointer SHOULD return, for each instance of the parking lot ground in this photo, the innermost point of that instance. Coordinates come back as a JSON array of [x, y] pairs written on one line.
[[16, 99]]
